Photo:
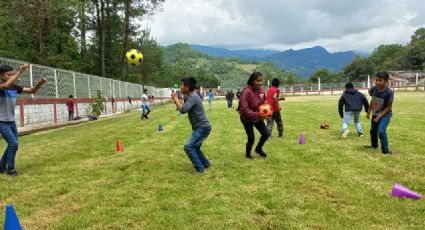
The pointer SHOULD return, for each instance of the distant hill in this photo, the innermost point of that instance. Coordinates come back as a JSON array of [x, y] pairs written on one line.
[[251, 54], [231, 72], [303, 62]]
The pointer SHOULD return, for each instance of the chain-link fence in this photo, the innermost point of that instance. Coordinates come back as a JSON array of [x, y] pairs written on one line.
[[62, 83]]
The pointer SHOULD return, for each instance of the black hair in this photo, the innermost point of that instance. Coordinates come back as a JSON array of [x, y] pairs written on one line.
[[190, 82], [5, 68], [70, 96], [145, 90], [254, 76], [349, 85], [275, 82], [384, 75]]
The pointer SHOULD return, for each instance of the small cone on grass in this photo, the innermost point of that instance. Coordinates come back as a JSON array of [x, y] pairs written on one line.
[[11, 221], [119, 146], [302, 139], [160, 128], [401, 191]]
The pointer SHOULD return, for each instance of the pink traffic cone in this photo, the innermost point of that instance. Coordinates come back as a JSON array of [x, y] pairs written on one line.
[[401, 191], [302, 140]]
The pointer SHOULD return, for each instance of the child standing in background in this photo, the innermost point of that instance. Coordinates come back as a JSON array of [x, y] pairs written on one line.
[[70, 104]]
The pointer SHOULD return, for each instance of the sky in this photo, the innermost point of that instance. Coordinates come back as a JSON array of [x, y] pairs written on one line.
[[337, 25]]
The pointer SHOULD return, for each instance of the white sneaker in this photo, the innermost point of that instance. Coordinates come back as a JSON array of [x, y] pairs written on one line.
[[345, 133]]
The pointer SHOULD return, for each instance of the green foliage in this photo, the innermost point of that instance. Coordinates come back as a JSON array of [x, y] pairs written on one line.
[[326, 77], [383, 56], [97, 106], [391, 57], [359, 69]]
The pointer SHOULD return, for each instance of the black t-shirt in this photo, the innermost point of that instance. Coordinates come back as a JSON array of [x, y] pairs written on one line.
[[380, 100]]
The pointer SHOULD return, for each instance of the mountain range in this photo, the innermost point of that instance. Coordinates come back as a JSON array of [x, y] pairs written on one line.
[[303, 62]]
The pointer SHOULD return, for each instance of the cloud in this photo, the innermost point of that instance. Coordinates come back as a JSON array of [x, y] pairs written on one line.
[[282, 24]]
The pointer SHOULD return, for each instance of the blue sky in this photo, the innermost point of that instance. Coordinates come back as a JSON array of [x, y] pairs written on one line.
[[337, 25]]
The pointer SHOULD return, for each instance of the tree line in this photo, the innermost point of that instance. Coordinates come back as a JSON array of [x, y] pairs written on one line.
[[92, 36]]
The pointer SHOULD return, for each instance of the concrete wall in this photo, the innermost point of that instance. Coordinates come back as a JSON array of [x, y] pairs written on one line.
[[32, 113]]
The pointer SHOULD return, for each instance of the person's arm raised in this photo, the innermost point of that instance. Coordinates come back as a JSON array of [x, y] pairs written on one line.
[[14, 77]]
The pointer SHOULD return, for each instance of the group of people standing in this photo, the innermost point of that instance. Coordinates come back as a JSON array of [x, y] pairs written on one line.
[[250, 99]]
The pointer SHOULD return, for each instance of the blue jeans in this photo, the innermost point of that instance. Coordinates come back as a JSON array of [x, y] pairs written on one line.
[[193, 148], [210, 104], [10, 134], [229, 104], [380, 129], [347, 118], [145, 110]]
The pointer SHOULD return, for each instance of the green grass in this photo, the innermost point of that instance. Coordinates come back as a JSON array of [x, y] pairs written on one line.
[[73, 178]]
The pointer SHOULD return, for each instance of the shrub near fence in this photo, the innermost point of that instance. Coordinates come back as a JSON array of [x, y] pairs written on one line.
[[47, 106]]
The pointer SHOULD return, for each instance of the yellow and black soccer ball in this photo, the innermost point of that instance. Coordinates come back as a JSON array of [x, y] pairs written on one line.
[[134, 57]]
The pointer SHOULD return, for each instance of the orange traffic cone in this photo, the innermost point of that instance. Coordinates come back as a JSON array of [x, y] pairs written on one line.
[[119, 146]]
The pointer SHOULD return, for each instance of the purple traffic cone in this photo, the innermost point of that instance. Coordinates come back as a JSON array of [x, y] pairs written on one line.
[[401, 191], [302, 140], [11, 221]]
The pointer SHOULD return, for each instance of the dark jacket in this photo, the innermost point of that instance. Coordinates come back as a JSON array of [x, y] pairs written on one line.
[[249, 104], [353, 101]]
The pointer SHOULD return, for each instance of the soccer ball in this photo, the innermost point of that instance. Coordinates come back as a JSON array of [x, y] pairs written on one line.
[[134, 57], [265, 110]]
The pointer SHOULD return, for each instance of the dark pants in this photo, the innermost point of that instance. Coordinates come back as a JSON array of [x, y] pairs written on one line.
[[270, 122], [380, 129], [249, 129], [229, 104], [70, 115], [10, 133]]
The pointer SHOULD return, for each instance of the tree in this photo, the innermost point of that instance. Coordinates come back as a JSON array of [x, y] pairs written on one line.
[[383, 57], [359, 69]]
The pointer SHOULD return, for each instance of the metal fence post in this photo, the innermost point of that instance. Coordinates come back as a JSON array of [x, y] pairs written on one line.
[[111, 92], [88, 82], [75, 88], [56, 83], [31, 84]]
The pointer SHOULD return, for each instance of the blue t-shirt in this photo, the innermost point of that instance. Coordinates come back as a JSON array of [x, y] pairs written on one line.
[[8, 102], [210, 96], [380, 100]]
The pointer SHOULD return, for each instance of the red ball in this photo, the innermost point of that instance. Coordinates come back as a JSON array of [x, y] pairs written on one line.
[[265, 110]]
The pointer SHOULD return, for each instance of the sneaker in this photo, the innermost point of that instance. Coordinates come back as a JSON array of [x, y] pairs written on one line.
[[387, 152], [248, 156], [280, 136], [261, 152], [345, 133], [146, 117], [200, 170], [12, 172], [207, 166], [361, 135]]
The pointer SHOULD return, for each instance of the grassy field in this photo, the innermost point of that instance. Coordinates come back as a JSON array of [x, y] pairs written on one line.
[[73, 178]]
